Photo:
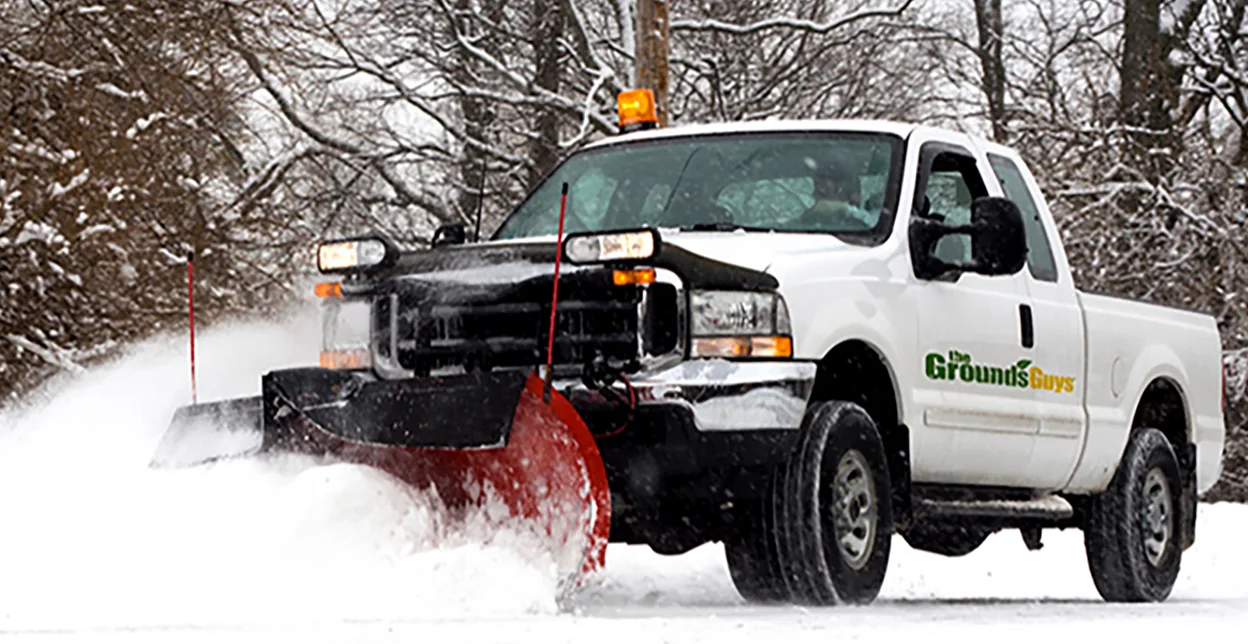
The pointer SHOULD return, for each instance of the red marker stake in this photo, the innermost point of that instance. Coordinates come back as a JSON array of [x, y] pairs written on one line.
[[190, 304], [554, 296]]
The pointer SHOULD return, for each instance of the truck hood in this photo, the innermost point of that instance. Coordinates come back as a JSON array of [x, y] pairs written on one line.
[[753, 250]]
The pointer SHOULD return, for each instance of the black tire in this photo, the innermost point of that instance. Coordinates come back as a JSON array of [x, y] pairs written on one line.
[[948, 539], [786, 548], [797, 555], [1131, 532], [816, 568], [752, 559]]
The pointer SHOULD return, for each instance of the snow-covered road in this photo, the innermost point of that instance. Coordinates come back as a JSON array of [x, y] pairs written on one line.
[[94, 547], [1000, 593]]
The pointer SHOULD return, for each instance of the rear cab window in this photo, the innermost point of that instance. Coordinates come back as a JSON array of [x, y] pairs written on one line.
[[1039, 253]]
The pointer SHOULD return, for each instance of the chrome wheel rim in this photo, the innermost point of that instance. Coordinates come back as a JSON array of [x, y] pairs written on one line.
[[854, 509], [1157, 512]]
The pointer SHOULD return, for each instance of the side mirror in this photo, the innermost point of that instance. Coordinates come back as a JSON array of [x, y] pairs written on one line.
[[449, 235], [998, 241]]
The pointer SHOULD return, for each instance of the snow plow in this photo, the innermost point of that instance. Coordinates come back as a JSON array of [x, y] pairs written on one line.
[[468, 437], [472, 438], [599, 386]]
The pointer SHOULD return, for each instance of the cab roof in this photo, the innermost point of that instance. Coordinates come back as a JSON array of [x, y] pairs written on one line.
[[902, 130]]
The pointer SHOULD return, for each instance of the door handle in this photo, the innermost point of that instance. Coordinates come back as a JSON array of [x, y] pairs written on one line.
[[1029, 331]]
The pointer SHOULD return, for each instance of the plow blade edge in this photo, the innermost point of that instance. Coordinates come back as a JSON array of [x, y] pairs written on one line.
[[211, 431]]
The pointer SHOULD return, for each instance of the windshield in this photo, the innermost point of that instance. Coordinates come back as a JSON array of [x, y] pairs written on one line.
[[838, 183]]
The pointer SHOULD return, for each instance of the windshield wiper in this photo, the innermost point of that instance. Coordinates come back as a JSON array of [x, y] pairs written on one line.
[[724, 226]]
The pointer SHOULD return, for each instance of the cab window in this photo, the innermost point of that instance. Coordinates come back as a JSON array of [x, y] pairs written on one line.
[[952, 184]]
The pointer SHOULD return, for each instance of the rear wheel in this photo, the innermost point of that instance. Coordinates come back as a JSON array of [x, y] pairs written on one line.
[[825, 525], [1131, 531]]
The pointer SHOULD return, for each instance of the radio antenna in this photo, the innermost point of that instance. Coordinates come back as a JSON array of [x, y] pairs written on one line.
[[554, 297]]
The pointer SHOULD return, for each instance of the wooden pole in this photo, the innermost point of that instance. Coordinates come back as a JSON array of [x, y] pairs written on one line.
[[652, 50]]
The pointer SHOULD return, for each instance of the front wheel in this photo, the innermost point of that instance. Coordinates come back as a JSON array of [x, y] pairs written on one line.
[[752, 557], [826, 521], [1131, 532]]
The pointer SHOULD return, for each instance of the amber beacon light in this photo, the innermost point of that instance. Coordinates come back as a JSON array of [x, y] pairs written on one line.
[[637, 110]]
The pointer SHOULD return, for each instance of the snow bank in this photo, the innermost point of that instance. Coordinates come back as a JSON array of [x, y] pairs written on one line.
[[999, 575], [91, 538]]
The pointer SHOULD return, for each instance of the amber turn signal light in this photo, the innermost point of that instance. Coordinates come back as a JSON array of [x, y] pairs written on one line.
[[634, 276], [347, 359], [328, 289], [765, 346]]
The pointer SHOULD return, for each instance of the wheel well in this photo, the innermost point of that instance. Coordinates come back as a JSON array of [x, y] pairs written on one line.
[[1161, 407], [856, 372]]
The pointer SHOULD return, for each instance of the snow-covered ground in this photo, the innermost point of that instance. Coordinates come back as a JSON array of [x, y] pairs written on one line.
[[94, 546]]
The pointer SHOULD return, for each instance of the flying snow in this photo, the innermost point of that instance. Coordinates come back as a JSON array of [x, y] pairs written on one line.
[[90, 537]]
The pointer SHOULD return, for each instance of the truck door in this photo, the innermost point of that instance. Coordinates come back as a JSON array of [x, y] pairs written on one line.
[[1057, 332], [976, 415]]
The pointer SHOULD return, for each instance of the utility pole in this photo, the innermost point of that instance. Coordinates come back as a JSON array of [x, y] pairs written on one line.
[[652, 49]]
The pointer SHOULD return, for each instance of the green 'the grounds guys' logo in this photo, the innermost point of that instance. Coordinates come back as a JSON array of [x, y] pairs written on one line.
[[1023, 374]]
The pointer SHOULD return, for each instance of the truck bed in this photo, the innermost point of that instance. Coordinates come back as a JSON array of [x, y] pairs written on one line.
[[1129, 345]]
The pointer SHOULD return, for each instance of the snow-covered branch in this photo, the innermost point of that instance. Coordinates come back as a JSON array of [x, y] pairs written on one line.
[[40, 68], [792, 24], [519, 82], [405, 194], [585, 52], [53, 356]]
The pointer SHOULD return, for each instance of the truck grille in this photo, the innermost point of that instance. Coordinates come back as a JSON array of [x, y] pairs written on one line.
[[511, 330]]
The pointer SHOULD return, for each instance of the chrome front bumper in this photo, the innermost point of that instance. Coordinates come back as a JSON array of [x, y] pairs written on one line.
[[724, 395]]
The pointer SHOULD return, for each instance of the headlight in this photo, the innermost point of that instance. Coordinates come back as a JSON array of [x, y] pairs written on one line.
[[346, 334], [739, 324], [354, 254], [596, 248]]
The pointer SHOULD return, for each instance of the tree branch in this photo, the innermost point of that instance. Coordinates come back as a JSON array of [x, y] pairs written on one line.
[[795, 24], [405, 194]]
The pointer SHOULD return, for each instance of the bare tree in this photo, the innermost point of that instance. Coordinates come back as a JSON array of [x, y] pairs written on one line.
[[120, 154], [743, 60], [991, 28]]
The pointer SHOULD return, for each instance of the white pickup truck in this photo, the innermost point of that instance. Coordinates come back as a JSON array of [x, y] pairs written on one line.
[[801, 338], [958, 381]]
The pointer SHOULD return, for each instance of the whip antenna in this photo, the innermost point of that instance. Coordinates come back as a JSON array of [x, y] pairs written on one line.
[[554, 296]]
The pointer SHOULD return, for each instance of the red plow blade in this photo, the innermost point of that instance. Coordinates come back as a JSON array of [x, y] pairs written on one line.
[[476, 439], [550, 474]]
